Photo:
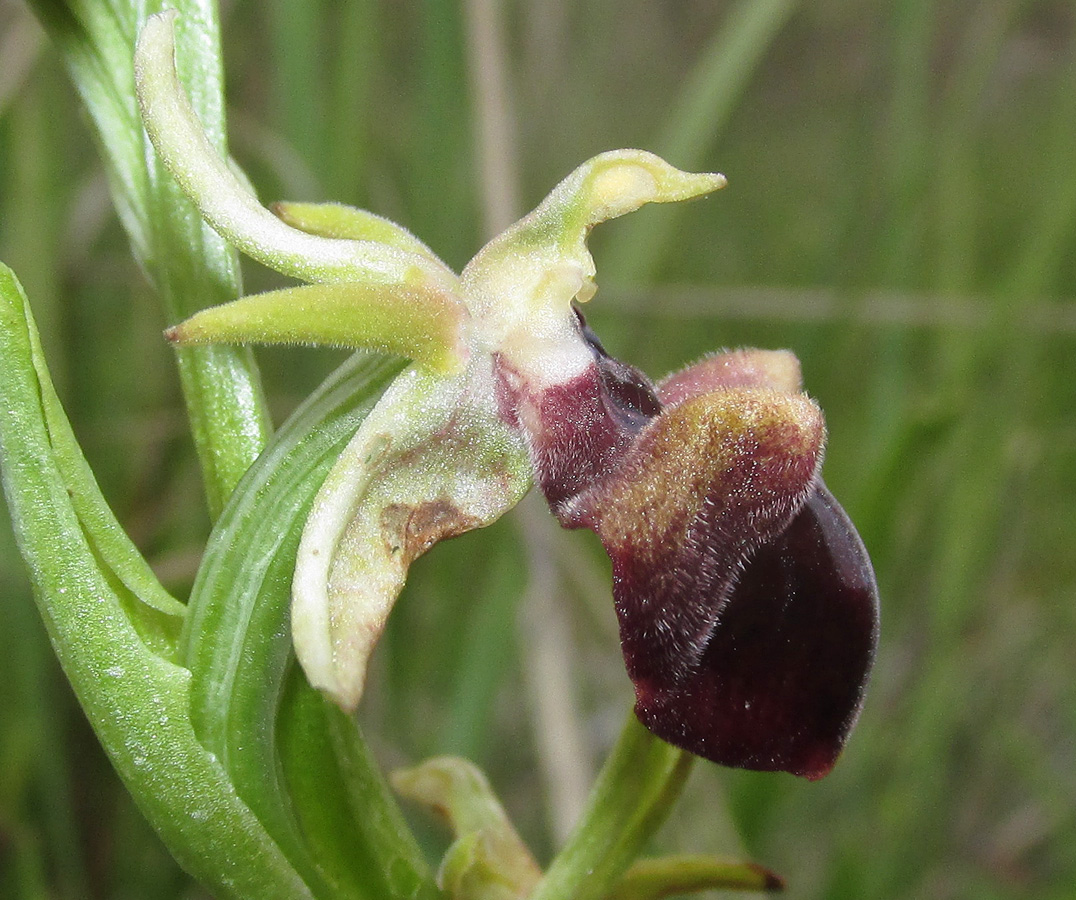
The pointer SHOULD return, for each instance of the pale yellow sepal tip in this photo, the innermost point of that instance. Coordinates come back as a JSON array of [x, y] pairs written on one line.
[[623, 180]]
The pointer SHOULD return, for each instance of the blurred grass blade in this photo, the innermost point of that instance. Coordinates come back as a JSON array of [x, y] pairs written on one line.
[[94, 39], [96, 601], [189, 263], [485, 656], [298, 762], [704, 107]]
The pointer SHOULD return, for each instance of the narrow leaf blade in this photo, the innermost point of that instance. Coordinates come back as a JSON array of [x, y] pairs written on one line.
[[136, 700]]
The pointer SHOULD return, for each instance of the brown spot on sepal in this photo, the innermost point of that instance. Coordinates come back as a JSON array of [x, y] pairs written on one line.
[[409, 531]]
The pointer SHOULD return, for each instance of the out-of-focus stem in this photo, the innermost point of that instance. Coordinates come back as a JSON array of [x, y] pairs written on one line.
[[495, 138], [565, 764], [634, 793]]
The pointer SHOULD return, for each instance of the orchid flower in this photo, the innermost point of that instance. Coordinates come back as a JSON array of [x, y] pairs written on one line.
[[746, 602]]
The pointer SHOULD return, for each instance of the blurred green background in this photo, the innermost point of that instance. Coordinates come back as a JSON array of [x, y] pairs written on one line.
[[901, 212]]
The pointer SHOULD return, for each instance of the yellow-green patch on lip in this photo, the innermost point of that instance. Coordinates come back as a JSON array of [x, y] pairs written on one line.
[[747, 449]]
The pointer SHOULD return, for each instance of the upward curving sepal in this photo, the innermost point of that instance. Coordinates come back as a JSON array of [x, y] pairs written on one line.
[[609, 185], [520, 286], [228, 204]]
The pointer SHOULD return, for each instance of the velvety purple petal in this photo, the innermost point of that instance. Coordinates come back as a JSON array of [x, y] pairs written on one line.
[[782, 676], [746, 602], [579, 431]]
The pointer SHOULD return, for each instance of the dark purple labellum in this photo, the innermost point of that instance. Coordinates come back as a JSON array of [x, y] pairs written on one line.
[[782, 678], [746, 601]]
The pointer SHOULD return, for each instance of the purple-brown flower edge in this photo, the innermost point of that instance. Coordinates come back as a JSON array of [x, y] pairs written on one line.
[[781, 680], [746, 600]]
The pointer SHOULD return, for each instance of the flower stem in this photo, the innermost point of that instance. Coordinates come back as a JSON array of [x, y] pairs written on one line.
[[634, 793]]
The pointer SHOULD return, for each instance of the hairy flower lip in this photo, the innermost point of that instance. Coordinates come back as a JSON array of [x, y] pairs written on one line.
[[782, 679], [746, 602]]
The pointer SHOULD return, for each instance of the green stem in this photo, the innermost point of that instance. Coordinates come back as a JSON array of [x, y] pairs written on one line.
[[634, 793], [189, 264]]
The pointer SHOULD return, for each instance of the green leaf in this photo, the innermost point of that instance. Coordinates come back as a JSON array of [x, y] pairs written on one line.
[[98, 600], [298, 762]]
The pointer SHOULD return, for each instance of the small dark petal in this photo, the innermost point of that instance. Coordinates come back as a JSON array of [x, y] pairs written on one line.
[[581, 438], [579, 430], [629, 394], [782, 678]]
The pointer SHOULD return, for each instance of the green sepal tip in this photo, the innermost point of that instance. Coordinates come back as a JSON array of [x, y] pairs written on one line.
[[418, 321]]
